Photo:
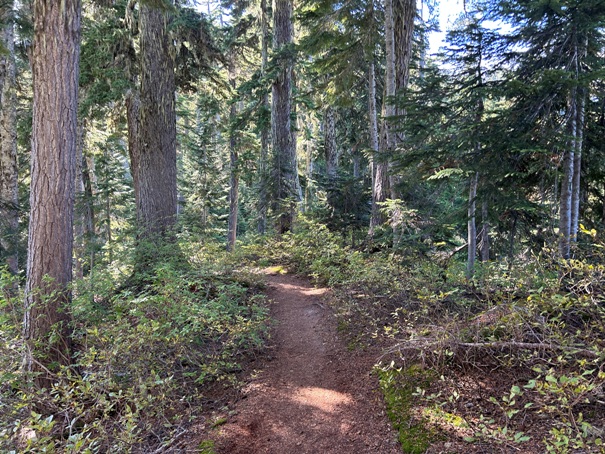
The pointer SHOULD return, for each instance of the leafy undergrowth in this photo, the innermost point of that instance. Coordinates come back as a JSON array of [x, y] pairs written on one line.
[[146, 355], [517, 352]]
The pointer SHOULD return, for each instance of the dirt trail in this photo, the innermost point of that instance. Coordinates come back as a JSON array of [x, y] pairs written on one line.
[[314, 396]]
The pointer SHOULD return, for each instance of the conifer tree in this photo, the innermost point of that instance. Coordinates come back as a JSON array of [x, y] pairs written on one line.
[[287, 185], [561, 42], [155, 170], [55, 69]]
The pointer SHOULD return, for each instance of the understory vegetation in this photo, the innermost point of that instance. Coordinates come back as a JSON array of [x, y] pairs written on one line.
[[148, 354], [510, 359], [451, 195]]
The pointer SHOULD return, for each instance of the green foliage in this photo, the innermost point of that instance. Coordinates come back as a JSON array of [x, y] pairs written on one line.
[[539, 323], [144, 355]]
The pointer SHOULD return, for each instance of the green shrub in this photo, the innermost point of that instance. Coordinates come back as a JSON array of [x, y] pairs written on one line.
[[144, 355]]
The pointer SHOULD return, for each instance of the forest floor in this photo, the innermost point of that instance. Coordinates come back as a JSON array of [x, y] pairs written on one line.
[[312, 394]]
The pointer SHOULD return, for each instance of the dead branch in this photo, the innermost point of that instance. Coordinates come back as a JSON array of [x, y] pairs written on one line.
[[428, 343]]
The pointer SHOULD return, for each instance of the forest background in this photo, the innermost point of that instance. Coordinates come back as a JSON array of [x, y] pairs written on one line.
[[455, 201]]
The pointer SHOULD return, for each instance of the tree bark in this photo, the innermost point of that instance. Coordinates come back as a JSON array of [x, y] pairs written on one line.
[[565, 205], [390, 76], [80, 220], [577, 167], [156, 163], [399, 28], [55, 60], [287, 190], [404, 13], [484, 232], [379, 165], [264, 135], [472, 226], [9, 189]]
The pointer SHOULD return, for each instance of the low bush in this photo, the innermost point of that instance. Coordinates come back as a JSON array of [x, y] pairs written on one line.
[[144, 356], [518, 349]]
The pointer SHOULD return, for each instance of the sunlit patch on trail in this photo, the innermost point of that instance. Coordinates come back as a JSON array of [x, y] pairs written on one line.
[[323, 399], [304, 290]]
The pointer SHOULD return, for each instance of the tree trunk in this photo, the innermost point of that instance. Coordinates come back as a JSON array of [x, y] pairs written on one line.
[[404, 13], [285, 172], [330, 147], [484, 232], [388, 109], [9, 189], [85, 215], [55, 70], [133, 120], [399, 28], [379, 165], [511, 240], [565, 205], [156, 163], [577, 167], [233, 170], [264, 135], [390, 81], [80, 219], [472, 226], [331, 154], [356, 164]]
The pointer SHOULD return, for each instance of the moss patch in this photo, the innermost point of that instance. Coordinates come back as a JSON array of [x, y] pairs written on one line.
[[207, 447], [397, 386]]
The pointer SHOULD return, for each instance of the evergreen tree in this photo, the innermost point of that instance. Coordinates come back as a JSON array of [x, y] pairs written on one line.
[[155, 170], [54, 140], [287, 188], [561, 42]]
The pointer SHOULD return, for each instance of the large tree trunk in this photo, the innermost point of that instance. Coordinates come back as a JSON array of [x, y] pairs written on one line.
[[156, 163], [9, 193], [55, 59], [288, 190], [472, 226], [403, 13], [264, 135], [399, 28]]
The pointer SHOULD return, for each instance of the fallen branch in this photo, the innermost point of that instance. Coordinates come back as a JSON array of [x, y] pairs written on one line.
[[169, 443], [527, 346], [426, 343]]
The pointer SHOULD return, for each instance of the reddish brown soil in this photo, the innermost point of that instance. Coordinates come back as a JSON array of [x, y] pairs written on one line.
[[314, 396]]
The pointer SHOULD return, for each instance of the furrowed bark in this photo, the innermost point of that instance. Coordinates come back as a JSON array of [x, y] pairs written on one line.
[[55, 60], [157, 186]]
